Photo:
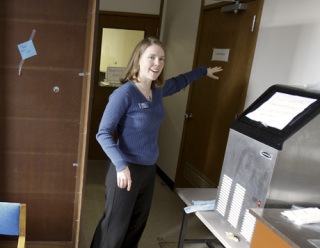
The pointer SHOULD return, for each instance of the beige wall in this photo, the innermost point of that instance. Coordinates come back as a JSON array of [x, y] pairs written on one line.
[[132, 6], [179, 35], [121, 52]]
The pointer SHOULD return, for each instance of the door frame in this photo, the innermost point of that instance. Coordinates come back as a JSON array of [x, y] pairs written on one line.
[[86, 103]]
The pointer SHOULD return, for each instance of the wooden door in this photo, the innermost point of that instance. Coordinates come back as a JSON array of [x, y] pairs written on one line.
[[42, 115], [215, 104], [150, 24]]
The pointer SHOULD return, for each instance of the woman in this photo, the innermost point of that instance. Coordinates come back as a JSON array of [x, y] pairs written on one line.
[[135, 112]]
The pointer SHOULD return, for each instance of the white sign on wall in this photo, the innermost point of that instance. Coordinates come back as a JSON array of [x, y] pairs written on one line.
[[220, 54], [113, 74]]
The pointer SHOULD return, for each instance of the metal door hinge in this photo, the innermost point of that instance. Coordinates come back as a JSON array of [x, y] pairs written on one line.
[[188, 116], [253, 23], [82, 74]]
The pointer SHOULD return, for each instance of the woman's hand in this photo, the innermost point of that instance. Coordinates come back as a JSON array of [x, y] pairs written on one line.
[[213, 70], [124, 179]]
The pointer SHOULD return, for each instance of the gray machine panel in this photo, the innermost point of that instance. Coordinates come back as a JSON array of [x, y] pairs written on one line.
[[295, 179], [245, 178], [268, 168]]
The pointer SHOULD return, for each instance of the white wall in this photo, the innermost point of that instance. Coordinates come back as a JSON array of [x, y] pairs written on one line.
[[288, 49]]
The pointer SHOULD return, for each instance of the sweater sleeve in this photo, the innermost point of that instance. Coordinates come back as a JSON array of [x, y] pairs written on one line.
[[112, 115], [175, 84]]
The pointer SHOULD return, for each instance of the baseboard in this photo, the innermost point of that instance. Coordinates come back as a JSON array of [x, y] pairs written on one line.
[[49, 244], [37, 244], [165, 178]]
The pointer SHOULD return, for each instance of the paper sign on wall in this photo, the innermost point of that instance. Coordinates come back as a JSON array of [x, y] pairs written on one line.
[[27, 49], [113, 74], [220, 54]]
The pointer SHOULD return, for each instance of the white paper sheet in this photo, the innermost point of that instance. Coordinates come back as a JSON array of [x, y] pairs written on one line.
[[303, 216], [280, 109]]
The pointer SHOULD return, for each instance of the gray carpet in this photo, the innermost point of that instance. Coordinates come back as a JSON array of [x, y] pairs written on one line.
[[164, 221]]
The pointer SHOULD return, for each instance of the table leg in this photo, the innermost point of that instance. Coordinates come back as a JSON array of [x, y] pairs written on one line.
[[183, 230], [182, 240]]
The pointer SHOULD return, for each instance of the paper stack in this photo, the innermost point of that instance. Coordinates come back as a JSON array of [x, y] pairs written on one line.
[[303, 216], [200, 206]]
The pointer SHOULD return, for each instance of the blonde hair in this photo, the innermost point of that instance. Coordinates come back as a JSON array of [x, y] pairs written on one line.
[[132, 71]]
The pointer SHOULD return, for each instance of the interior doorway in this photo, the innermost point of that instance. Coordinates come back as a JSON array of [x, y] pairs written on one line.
[[214, 105], [113, 53]]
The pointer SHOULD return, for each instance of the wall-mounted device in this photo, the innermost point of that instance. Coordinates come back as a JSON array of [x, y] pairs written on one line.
[[235, 8]]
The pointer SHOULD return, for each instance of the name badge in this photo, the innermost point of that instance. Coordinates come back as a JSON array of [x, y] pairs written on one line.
[[144, 105]]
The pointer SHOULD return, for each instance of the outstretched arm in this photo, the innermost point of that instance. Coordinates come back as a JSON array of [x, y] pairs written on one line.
[[175, 84]]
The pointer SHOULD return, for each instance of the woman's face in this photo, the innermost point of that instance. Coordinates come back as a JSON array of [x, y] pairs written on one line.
[[151, 63]]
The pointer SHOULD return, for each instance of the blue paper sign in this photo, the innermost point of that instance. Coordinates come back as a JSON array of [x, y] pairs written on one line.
[[27, 49]]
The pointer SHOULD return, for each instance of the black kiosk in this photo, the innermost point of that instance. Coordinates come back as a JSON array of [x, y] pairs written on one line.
[[272, 157]]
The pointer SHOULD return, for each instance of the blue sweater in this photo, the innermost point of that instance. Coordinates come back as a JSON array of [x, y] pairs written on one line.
[[137, 121]]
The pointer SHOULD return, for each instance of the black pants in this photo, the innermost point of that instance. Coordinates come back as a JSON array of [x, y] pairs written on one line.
[[126, 212]]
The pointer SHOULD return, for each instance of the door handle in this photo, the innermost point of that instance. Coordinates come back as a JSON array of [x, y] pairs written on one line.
[[188, 116]]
